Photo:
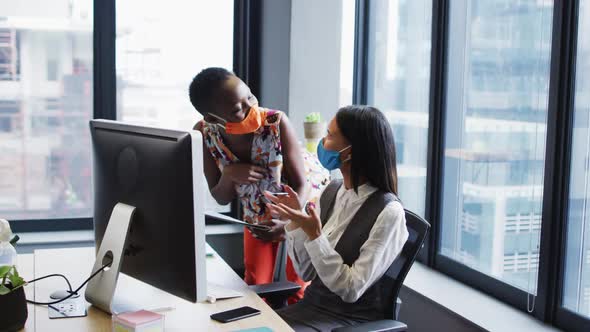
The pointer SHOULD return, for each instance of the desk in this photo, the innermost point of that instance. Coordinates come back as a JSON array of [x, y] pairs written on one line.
[[76, 264]]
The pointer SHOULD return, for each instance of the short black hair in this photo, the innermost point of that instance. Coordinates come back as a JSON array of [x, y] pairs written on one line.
[[373, 146], [204, 85]]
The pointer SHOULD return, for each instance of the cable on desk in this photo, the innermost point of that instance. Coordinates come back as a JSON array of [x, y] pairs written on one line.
[[53, 275], [72, 293]]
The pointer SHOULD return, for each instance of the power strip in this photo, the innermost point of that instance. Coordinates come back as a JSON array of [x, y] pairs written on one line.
[[75, 307]]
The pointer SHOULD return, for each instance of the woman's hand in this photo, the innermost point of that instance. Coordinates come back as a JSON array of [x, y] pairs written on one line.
[[276, 233], [309, 222], [244, 173], [291, 199]]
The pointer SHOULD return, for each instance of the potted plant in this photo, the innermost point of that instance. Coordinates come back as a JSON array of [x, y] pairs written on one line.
[[13, 304], [313, 130]]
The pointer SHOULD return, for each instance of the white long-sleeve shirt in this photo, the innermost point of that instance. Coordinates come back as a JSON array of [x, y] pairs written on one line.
[[318, 257]]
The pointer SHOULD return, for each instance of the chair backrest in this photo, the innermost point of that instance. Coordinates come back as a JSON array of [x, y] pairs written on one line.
[[417, 229]]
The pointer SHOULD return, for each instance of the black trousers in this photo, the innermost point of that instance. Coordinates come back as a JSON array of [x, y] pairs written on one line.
[[303, 317]]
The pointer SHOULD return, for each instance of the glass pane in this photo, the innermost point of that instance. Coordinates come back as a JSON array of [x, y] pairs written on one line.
[[160, 48], [45, 105], [576, 295], [495, 132], [398, 84]]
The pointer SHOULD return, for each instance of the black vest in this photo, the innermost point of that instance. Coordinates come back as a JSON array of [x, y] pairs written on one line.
[[376, 300]]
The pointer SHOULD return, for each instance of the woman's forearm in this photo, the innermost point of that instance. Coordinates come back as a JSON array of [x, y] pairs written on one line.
[[299, 257], [224, 191], [302, 190]]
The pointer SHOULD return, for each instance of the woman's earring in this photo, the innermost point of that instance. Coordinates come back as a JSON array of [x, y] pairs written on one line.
[[349, 158]]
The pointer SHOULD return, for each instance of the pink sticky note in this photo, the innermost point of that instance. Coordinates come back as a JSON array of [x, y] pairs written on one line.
[[137, 318]]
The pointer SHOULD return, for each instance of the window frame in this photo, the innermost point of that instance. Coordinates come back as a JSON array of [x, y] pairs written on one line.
[[437, 87], [548, 303], [497, 288], [563, 317], [436, 128], [246, 64]]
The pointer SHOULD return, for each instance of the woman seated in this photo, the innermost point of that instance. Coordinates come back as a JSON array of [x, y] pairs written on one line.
[[345, 244]]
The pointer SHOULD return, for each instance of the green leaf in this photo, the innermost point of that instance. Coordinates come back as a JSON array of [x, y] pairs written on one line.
[[14, 240], [313, 117], [4, 290], [4, 270], [16, 280]]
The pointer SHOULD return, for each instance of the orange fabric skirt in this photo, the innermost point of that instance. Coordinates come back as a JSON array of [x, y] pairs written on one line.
[[259, 261]]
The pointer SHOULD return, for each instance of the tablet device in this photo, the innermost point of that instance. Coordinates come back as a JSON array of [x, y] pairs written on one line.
[[225, 218]]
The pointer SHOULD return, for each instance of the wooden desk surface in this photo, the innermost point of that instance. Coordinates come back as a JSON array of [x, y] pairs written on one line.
[[76, 264]]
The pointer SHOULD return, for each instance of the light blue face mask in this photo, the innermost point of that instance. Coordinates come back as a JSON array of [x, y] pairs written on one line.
[[328, 158]]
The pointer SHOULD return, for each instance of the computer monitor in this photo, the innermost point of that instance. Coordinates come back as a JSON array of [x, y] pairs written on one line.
[[148, 211]]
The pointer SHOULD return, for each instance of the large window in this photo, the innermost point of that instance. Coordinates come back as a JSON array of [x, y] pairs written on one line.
[[160, 48], [576, 296], [45, 104], [494, 149], [398, 84]]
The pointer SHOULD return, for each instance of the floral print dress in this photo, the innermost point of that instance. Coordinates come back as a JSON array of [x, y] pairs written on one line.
[[267, 153]]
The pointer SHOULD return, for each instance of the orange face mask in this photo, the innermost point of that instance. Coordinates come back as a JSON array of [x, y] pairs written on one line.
[[254, 120]]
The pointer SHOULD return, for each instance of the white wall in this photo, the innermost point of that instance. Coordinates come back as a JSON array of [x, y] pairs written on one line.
[[315, 66], [275, 54]]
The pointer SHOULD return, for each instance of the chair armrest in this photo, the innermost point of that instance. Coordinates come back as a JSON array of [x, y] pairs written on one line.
[[385, 325], [276, 289], [398, 306]]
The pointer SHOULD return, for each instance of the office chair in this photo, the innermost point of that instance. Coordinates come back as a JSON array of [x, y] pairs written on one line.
[[276, 293]]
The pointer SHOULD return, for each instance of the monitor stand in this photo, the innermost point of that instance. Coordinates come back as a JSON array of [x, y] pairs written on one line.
[[101, 289]]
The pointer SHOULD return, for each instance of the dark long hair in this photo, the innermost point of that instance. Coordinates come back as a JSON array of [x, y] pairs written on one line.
[[373, 146]]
